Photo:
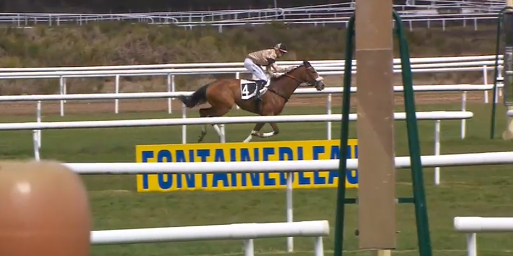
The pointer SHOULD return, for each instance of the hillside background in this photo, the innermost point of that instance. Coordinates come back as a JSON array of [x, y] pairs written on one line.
[[114, 43]]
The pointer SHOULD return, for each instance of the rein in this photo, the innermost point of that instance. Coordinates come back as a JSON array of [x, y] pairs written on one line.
[[289, 76]]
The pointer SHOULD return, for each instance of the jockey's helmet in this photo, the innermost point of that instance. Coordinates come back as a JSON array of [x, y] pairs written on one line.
[[280, 47]]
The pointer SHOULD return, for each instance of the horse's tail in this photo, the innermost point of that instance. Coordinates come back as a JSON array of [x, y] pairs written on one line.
[[198, 97]]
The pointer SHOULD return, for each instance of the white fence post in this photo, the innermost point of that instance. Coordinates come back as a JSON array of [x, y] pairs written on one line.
[[237, 76], [463, 109], [485, 82], [437, 150], [116, 101], [328, 111], [169, 107], [62, 87], [473, 225], [184, 127]]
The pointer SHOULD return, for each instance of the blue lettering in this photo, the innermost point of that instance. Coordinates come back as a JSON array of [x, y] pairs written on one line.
[[145, 156], [244, 179], [256, 154], [165, 181], [191, 156], [164, 156], [219, 177], [204, 177], [190, 179], [302, 180], [316, 151], [219, 155], [318, 180], [268, 181], [233, 155], [145, 182], [332, 176], [244, 155], [335, 152], [233, 158], [282, 152], [350, 178], [180, 156], [267, 152], [203, 154], [299, 153], [255, 178]]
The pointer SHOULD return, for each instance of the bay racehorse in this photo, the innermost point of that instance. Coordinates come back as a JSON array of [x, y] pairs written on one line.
[[224, 93]]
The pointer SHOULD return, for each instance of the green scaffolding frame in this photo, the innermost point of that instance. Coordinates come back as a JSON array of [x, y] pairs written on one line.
[[419, 197]]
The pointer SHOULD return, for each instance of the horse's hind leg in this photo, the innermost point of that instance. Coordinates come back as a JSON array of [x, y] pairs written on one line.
[[203, 113], [211, 112], [256, 132]]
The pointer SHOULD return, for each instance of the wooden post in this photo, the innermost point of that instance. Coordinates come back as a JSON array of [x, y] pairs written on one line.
[[376, 173]]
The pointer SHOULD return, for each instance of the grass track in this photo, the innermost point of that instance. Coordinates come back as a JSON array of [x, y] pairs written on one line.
[[465, 191]]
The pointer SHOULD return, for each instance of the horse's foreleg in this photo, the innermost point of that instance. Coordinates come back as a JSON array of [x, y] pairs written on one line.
[[255, 132], [275, 131]]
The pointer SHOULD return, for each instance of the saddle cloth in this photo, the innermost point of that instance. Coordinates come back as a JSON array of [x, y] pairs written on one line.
[[248, 89]]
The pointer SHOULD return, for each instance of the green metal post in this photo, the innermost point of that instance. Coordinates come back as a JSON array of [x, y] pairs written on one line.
[[344, 137], [496, 68], [419, 194], [419, 198]]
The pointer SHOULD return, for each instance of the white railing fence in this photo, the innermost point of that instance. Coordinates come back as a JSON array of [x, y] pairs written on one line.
[[243, 231], [482, 64], [402, 162], [490, 158], [307, 91], [36, 127], [474, 225]]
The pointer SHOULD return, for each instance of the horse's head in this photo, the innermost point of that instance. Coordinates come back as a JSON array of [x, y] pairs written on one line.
[[312, 77]]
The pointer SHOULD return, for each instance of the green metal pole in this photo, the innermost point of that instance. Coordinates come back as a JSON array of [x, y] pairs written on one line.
[[344, 137], [419, 195], [496, 69]]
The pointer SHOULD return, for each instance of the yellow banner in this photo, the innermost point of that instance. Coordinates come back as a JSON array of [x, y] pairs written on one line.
[[235, 152]]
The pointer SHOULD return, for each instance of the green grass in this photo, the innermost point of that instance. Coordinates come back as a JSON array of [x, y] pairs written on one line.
[[465, 191]]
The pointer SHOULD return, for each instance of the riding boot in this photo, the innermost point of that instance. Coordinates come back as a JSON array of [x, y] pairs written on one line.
[[260, 86]]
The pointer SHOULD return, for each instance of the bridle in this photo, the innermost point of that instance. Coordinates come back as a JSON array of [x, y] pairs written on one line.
[[292, 77]]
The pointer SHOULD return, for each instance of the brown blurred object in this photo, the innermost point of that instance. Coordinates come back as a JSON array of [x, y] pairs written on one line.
[[44, 210]]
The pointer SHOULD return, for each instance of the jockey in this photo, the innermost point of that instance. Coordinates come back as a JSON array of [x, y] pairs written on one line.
[[255, 60]]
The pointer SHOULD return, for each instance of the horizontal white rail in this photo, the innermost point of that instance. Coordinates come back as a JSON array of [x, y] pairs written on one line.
[[240, 64], [212, 232], [473, 225], [483, 224], [436, 115], [326, 70], [495, 158], [154, 95]]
